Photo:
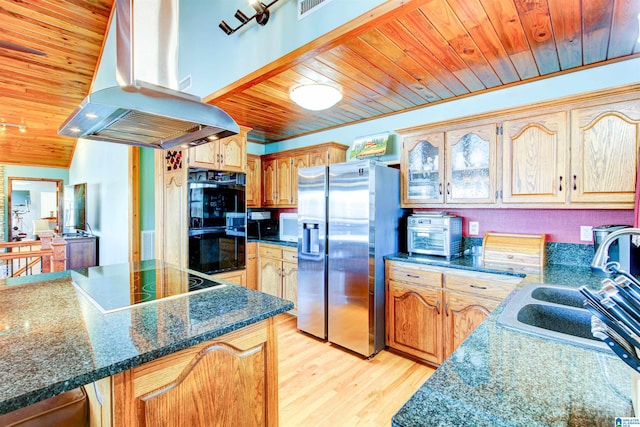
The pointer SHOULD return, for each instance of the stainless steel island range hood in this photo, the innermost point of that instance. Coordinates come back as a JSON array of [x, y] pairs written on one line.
[[142, 113]]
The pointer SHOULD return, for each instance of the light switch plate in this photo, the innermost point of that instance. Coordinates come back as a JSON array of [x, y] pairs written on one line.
[[474, 228], [586, 233]]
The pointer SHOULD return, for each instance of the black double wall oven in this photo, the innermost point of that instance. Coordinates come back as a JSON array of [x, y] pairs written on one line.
[[217, 221]]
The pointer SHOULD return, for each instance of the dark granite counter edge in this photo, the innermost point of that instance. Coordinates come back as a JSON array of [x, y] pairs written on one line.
[[61, 387], [273, 241]]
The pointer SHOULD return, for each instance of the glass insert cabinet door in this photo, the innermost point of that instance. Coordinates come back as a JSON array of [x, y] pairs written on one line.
[[471, 165], [424, 160]]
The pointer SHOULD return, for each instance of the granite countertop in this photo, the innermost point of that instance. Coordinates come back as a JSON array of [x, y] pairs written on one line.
[[54, 339], [502, 377]]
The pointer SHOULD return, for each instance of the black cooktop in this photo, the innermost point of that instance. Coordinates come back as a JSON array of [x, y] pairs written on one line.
[[122, 286]]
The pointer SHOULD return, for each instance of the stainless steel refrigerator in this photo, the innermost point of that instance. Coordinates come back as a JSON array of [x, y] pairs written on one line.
[[348, 217]]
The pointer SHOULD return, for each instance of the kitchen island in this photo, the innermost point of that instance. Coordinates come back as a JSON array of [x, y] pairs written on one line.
[[141, 356], [502, 377]]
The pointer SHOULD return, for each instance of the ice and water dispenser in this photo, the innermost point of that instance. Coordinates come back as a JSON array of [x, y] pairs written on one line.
[[310, 238]]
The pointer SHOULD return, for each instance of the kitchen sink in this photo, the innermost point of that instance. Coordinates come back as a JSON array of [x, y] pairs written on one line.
[[553, 312]]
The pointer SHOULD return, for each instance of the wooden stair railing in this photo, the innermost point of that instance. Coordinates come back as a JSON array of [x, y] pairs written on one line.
[[24, 257]]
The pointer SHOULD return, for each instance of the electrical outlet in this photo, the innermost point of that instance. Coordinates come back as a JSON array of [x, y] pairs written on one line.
[[474, 228], [586, 233]]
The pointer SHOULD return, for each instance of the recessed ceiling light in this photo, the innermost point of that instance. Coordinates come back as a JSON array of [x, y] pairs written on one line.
[[91, 115]]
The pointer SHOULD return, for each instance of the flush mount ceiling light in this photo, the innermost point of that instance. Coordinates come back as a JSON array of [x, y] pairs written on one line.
[[315, 96], [261, 16]]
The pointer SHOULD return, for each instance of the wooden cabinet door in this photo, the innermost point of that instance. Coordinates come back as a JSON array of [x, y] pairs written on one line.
[[284, 188], [254, 172], [298, 162], [319, 157], [233, 153], [414, 320], [462, 315], [290, 284], [422, 170], [205, 156], [270, 276], [604, 153], [81, 252], [231, 380], [252, 265], [535, 159], [239, 277], [471, 164], [269, 182]]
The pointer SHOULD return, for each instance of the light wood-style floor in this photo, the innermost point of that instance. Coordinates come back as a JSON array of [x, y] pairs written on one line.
[[324, 385]]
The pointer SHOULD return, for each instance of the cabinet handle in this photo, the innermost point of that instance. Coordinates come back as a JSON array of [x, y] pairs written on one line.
[[438, 307], [446, 309], [448, 188], [218, 158], [477, 287], [221, 158], [440, 188], [413, 276], [560, 189], [575, 185]]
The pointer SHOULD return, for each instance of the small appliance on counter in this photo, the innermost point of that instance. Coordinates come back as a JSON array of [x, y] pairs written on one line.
[[260, 225], [623, 251], [434, 233], [288, 228]]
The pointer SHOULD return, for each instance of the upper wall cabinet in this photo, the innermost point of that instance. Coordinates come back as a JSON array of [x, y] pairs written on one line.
[[423, 169], [604, 150], [471, 164], [457, 166], [579, 152], [534, 159], [254, 175], [280, 171], [226, 154]]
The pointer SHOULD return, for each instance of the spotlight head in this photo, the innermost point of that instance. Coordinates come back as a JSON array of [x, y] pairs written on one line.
[[225, 27], [258, 6], [263, 18], [241, 16]]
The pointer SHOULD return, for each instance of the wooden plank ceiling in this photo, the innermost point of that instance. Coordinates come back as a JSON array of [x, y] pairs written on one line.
[[403, 55], [40, 91]]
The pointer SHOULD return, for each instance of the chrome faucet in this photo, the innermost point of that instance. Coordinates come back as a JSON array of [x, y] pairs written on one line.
[[602, 254]]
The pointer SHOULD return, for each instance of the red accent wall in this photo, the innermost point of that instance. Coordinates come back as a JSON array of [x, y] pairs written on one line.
[[559, 225]]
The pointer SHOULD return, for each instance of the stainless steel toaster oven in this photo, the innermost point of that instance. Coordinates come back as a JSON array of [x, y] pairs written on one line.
[[434, 233]]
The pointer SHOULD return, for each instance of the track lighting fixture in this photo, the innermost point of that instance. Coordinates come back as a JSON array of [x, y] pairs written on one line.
[[261, 16], [21, 127]]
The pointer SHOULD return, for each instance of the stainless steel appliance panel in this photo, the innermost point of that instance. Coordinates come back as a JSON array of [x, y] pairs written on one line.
[[348, 239], [312, 262]]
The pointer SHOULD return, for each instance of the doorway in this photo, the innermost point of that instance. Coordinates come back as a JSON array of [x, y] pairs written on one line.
[[34, 204]]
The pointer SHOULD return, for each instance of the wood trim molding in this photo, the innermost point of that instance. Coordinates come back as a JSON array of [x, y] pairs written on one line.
[[609, 95], [134, 204], [303, 150]]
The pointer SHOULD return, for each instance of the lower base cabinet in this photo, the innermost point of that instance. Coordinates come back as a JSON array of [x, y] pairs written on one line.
[[231, 380], [239, 277], [82, 252], [278, 272], [431, 311], [252, 265]]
